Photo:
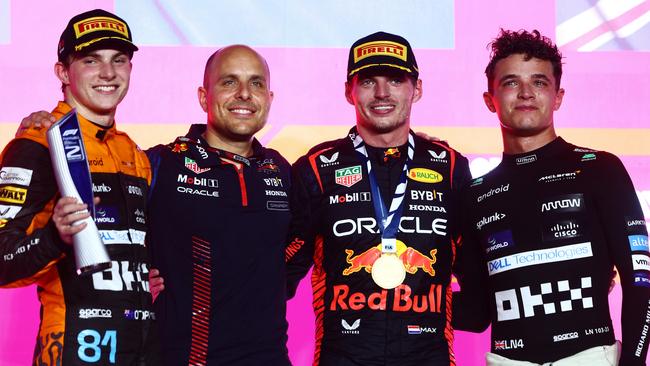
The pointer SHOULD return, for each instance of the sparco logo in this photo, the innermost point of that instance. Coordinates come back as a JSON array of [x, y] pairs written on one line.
[[493, 192], [94, 313], [565, 337], [102, 188], [490, 219], [350, 197], [205, 182], [568, 203]]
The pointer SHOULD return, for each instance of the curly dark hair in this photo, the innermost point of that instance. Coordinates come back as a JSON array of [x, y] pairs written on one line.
[[530, 44]]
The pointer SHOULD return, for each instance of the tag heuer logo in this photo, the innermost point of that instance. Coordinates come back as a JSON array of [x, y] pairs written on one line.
[[193, 166], [348, 176]]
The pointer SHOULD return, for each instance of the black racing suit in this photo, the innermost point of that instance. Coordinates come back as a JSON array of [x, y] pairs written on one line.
[[546, 228], [104, 318], [219, 226], [334, 229]]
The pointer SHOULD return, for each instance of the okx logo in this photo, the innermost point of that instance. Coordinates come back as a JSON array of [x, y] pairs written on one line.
[[541, 298]]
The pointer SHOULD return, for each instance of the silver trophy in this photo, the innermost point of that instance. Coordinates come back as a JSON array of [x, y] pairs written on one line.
[[73, 178]]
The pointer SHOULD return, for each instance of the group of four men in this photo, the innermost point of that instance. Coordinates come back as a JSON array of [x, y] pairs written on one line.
[[383, 217]]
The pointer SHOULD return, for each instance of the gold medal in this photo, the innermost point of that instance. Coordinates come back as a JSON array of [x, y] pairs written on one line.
[[388, 271]]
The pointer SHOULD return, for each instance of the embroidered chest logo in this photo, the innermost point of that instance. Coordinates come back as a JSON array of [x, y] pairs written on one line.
[[348, 176], [193, 166]]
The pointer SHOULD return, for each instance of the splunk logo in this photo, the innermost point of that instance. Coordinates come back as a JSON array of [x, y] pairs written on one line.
[[490, 219]]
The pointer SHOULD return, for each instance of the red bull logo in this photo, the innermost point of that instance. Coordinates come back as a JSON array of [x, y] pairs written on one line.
[[412, 259], [403, 300], [179, 147]]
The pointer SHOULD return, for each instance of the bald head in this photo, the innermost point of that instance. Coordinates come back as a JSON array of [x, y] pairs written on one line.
[[233, 51], [236, 96]]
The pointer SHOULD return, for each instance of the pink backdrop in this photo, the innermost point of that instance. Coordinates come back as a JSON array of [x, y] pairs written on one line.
[[606, 105]]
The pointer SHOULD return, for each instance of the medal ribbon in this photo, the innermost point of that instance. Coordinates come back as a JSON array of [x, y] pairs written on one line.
[[387, 220]]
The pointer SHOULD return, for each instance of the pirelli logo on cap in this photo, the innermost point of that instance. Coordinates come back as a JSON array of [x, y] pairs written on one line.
[[380, 48], [94, 24], [11, 194]]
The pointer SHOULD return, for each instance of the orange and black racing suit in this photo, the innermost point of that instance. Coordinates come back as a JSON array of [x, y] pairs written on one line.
[[104, 318], [335, 229]]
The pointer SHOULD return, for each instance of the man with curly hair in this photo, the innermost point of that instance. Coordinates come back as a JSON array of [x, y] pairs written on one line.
[[547, 226]]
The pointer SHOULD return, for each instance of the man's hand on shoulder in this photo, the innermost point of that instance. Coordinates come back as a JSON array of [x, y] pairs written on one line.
[[36, 119]]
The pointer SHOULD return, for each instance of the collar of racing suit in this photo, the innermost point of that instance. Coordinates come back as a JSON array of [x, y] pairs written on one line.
[[89, 128], [553, 148], [194, 136]]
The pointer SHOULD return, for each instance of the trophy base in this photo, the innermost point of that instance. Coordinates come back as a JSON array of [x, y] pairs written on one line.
[[93, 268]]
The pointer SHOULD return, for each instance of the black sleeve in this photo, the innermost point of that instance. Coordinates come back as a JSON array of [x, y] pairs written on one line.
[[300, 251], [154, 156], [627, 240], [29, 241], [470, 305]]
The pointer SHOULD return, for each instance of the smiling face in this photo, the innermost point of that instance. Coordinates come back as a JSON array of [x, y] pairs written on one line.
[[382, 99], [95, 83], [524, 95], [236, 94]]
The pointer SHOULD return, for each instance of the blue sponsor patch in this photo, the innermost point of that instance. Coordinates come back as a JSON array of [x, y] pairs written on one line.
[[107, 215], [641, 279], [498, 240], [638, 242]]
